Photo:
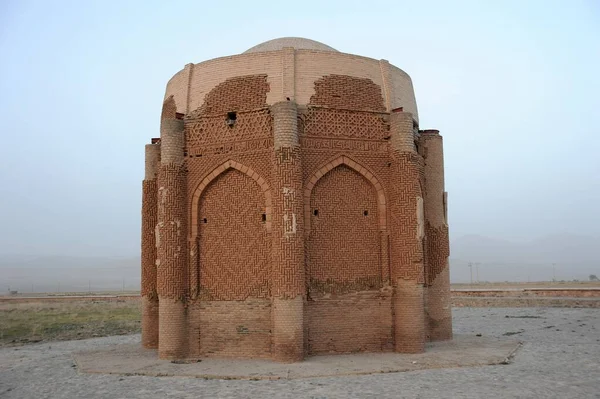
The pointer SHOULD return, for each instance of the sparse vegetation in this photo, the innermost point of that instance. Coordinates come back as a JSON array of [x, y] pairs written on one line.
[[29, 322]]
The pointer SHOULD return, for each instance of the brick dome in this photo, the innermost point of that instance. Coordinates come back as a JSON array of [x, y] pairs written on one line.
[[295, 42]]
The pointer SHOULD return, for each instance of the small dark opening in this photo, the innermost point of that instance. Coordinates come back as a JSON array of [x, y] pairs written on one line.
[[366, 213], [231, 118], [264, 217], [204, 220], [316, 212]]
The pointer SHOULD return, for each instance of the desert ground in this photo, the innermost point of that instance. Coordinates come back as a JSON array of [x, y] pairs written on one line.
[[559, 359]]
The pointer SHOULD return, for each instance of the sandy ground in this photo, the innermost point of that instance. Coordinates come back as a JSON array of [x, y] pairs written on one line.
[[560, 358], [462, 351]]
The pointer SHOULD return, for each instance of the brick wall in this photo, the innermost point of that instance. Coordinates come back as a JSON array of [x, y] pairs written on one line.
[[346, 173], [242, 93], [235, 247], [149, 249], [437, 293], [344, 244], [259, 272], [230, 328], [356, 322], [290, 74], [347, 92], [169, 109]]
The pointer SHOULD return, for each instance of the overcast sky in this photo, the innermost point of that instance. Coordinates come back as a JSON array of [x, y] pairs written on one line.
[[514, 88]]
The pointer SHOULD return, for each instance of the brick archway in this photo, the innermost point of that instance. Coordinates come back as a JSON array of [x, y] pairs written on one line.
[[344, 160], [213, 175]]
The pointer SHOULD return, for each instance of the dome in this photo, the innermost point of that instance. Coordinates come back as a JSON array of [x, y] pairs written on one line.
[[295, 42]]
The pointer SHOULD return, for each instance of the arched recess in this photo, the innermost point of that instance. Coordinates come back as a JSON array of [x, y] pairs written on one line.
[[344, 160], [216, 172], [231, 266], [194, 277], [346, 208]]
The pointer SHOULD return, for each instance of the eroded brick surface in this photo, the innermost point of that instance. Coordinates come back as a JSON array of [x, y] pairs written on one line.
[[348, 92], [169, 109], [241, 93]]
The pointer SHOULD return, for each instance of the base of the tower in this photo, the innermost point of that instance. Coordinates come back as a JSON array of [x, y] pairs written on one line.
[[462, 351]]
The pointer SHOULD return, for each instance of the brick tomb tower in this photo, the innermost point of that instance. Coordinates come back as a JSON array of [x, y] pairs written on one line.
[[292, 207]]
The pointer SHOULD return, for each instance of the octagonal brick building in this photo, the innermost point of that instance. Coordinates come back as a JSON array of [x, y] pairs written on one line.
[[293, 207]]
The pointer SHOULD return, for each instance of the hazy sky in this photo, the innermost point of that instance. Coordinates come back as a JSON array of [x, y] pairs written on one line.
[[514, 87]]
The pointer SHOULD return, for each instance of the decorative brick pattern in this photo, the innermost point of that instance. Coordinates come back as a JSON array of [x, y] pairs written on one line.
[[406, 248], [348, 92], [149, 221], [288, 234], [322, 122], [212, 132], [242, 93], [264, 187], [438, 250], [170, 233], [231, 212], [344, 160], [344, 241]]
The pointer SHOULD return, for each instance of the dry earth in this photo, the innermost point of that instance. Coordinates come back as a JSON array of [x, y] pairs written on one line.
[[560, 358]]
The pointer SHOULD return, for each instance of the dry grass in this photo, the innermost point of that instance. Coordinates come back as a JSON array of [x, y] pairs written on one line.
[[534, 284], [22, 323]]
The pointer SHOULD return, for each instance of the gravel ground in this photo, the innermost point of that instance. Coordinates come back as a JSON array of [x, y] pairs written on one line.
[[560, 359]]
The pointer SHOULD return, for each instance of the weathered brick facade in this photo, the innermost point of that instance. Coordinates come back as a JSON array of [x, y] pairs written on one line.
[[292, 207]]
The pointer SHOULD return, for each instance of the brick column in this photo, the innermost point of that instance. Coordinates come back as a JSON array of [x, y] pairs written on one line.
[[149, 256], [171, 237], [406, 236], [439, 307], [288, 237]]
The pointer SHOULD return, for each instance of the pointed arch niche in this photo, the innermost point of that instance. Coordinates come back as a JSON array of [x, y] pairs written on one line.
[[213, 175], [344, 160]]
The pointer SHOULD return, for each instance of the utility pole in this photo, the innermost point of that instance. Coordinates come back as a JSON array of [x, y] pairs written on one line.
[[477, 271], [471, 269], [554, 272]]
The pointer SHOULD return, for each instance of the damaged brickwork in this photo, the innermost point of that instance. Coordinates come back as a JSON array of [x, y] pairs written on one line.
[[293, 211]]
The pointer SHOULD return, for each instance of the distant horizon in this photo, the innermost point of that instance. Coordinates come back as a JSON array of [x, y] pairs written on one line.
[[453, 237]]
